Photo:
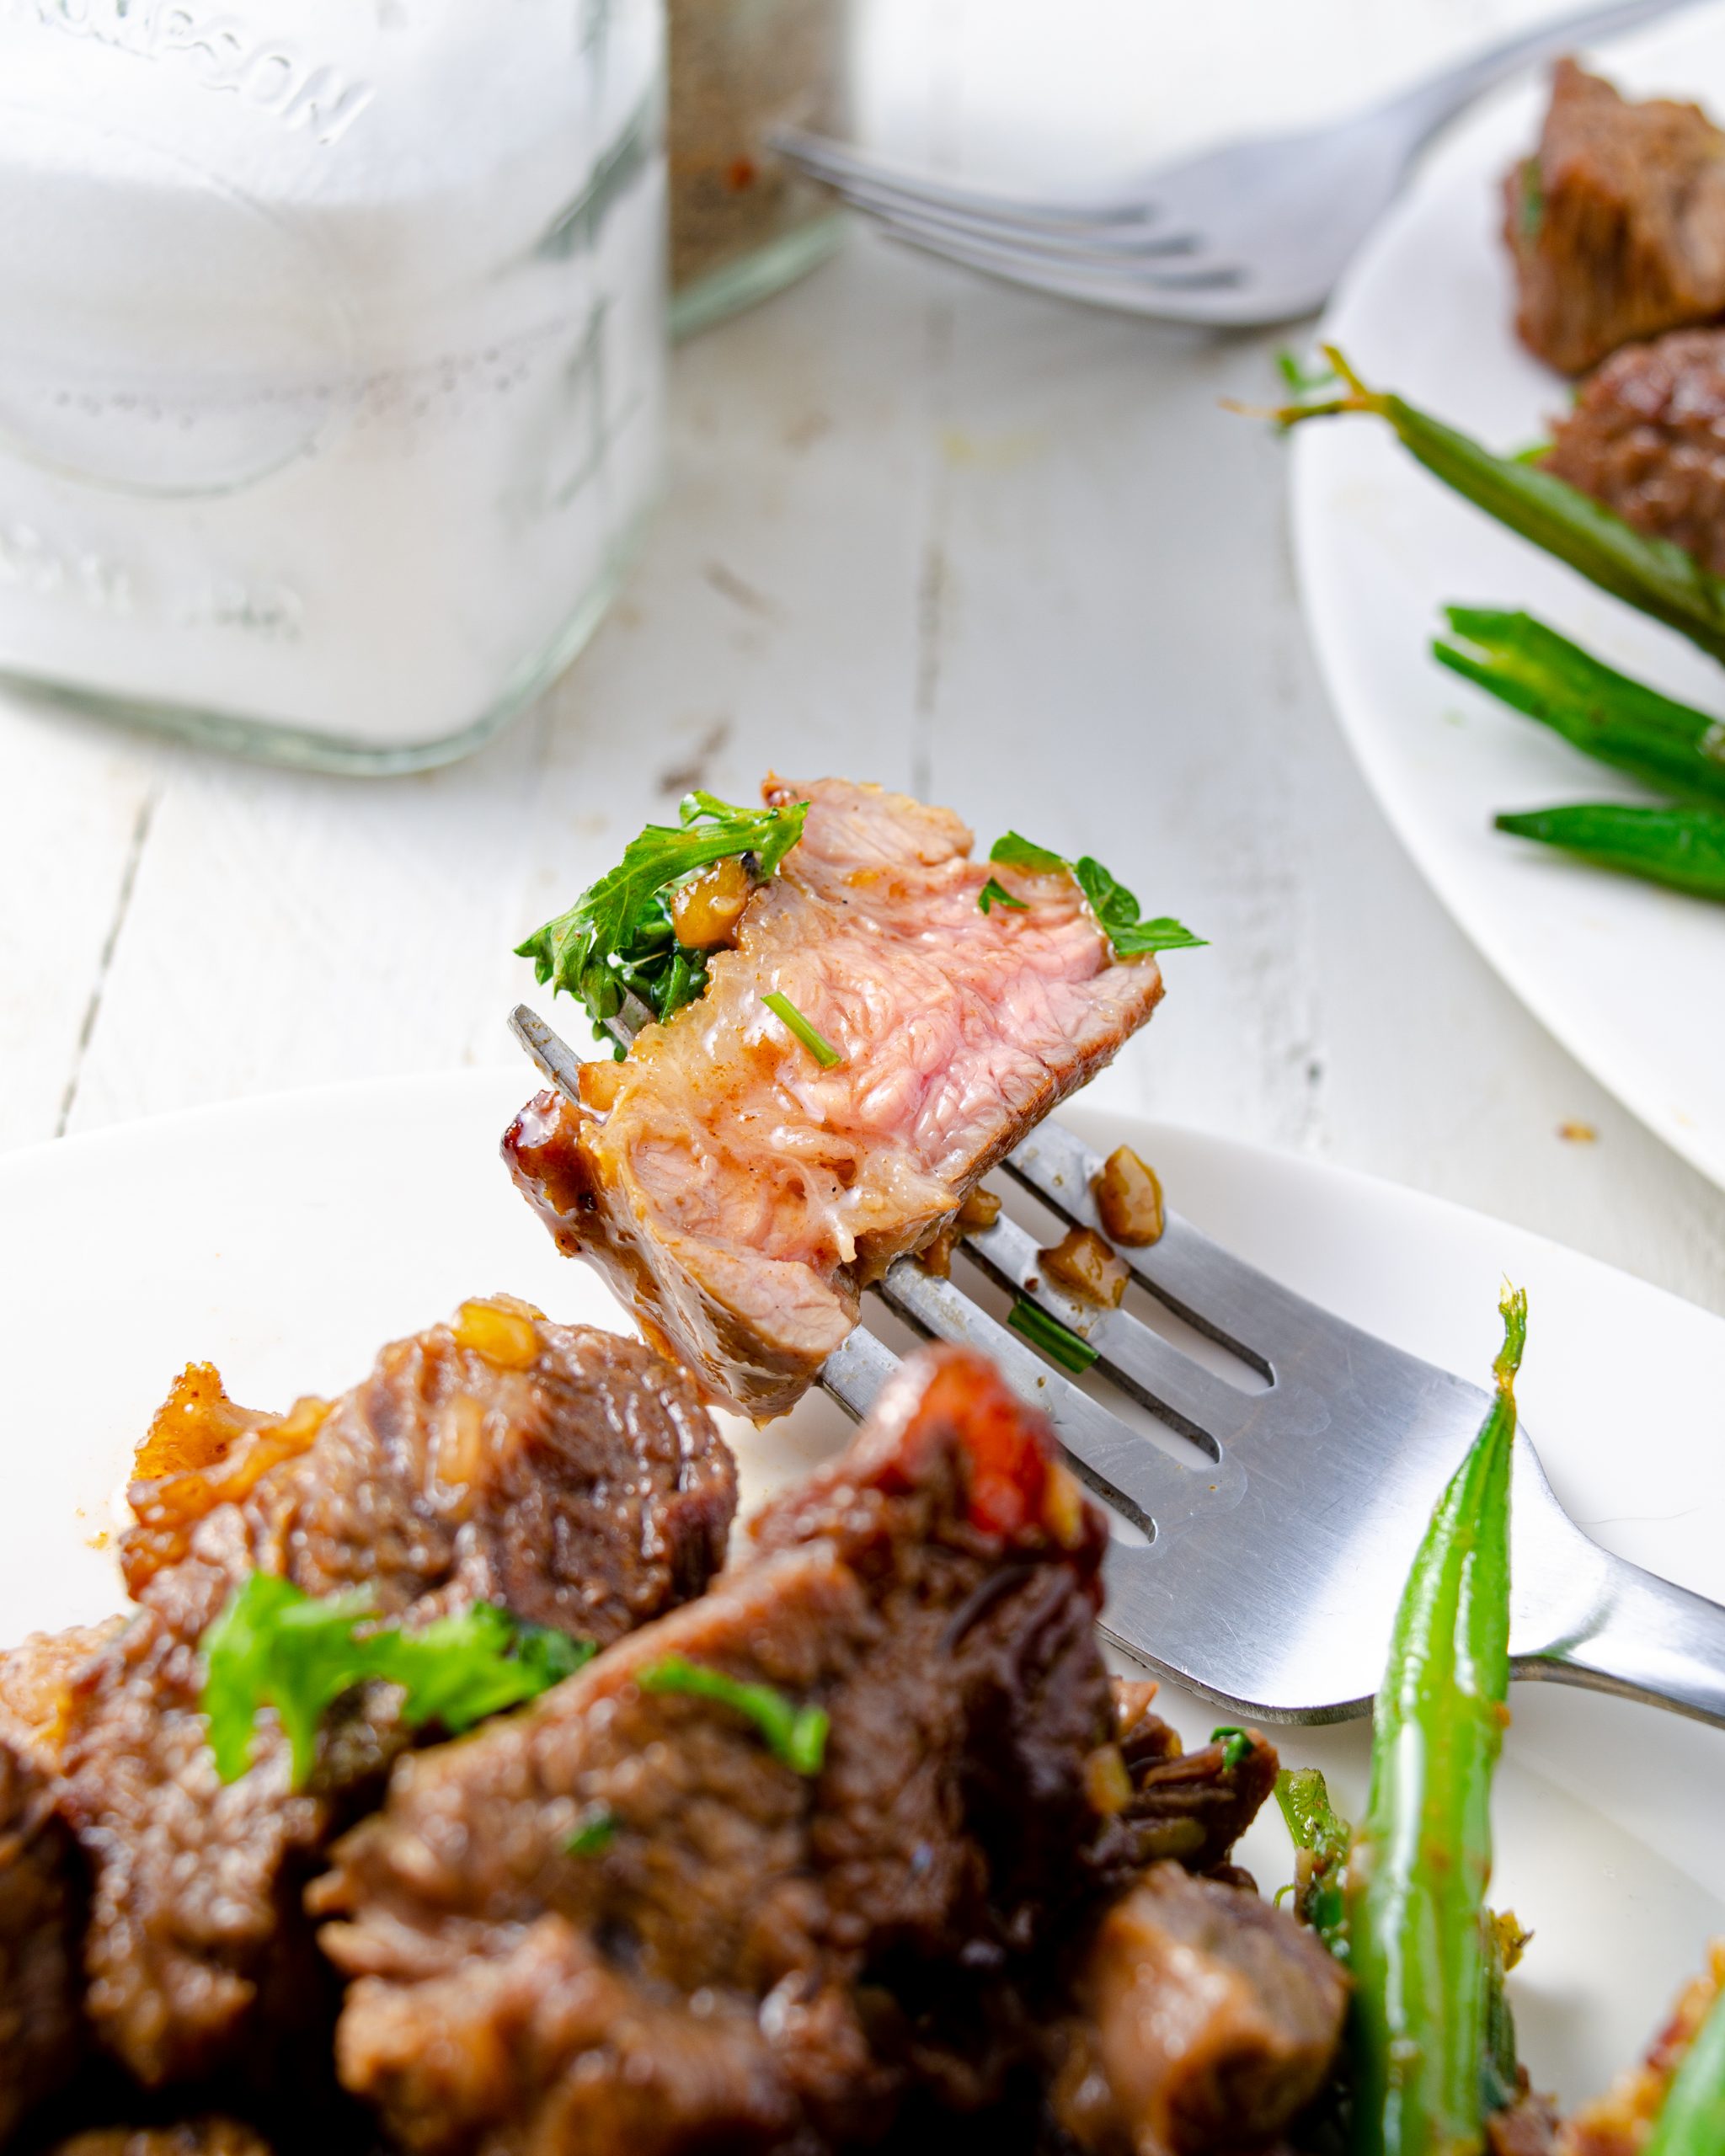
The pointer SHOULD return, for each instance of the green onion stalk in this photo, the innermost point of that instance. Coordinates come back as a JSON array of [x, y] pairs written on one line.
[[1418, 1872]]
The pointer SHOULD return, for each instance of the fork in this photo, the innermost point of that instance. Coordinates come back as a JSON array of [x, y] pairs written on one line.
[[1253, 232], [1267, 1541]]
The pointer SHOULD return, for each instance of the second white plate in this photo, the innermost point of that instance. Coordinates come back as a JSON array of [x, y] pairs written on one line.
[[1627, 976], [286, 1239]]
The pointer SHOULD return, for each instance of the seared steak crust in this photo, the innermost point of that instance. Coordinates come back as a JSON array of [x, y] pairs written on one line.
[[213, 2135], [1647, 437], [738, 1196], [1616, 224], [740, 1964], [568, 1474], [40, 1899]]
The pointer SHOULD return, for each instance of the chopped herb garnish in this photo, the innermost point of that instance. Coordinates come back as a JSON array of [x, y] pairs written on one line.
[[618, 940], [796, 1736], [994, 893], [781, 1008], [1237, 1746], [595, 1833], [275, 1646], [1115, 908], [1057, 1340]]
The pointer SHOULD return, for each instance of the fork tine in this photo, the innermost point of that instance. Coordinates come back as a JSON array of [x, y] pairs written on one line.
[[1127, 1468], [1101, 245], [1218, 1292], [1201, 294], [842, 166], [1202, 1406], [855, 1372]]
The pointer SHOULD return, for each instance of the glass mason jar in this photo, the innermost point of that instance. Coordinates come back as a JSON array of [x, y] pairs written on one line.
[[332, 358], [743, 223]]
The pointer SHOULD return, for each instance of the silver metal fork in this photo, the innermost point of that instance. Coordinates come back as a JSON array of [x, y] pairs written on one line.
[[1267, 1541], [1256, 232]]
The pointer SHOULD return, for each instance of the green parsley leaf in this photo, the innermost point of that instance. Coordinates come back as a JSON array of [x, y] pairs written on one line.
[[275, 1646], [595, 1833], [1115, 908], [994, 893], [822, 1049], [618, 939], [1237, 1746], [1056, 1340], [1014, 850], [795, 1736]]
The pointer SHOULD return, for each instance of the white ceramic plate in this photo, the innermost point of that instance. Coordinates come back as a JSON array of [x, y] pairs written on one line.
[[1627, 976], [285, 1240]]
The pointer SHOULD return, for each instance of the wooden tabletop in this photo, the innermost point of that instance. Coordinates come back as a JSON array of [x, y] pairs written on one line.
[[923, 529]]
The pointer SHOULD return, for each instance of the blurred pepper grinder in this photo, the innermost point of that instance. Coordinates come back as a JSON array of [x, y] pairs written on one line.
[[743, 224]]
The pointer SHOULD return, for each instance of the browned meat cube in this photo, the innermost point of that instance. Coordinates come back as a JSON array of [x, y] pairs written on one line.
[[1191, 1807], [738, 1196], [200, 2137], [1647, 437], [619, 1920], [39, 2028], [1210, 2021], [1616, 223], [568, 1474]]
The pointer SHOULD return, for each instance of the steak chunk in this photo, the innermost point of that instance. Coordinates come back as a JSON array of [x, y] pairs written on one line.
[[39, 2028], [1647, 437], [1190, 1807], [618, 1920], [567, 1474], [1211, 2021], [1616, 224], [214, 2136], [738, 1196]]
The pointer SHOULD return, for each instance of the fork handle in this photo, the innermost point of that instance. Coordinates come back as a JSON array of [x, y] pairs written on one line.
[[1644, 1639], [1428, 105]]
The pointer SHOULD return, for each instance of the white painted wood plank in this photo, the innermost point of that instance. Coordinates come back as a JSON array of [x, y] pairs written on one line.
[[922, 529]]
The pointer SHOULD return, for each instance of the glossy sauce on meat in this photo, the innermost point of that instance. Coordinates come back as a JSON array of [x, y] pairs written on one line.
[[738, 1196], [568, 1474]]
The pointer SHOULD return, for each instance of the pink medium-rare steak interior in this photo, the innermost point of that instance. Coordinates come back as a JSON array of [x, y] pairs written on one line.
[[739, 1196]]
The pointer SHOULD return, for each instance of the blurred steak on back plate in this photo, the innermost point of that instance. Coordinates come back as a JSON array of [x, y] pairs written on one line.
[[1647, 437], [737, 1964], [567, 1474], [738, 1196], [1616, 224]]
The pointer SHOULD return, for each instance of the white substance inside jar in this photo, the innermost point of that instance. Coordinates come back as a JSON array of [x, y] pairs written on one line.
[[331, 354]]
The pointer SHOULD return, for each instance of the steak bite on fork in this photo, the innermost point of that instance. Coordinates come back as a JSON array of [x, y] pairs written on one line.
[[739, 1190], [568, 1475], [630, 1918]]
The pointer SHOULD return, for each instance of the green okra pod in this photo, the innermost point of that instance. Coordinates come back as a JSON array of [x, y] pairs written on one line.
[[1652, 575], [1682, 848], [1606, 715], [1421, 1861]]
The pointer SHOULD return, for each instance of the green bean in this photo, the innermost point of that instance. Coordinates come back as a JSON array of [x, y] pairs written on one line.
[[1418, 1872], [1320, 1839], [1683, 848], [1606, 715], [1652, 574], [1692, 2120]]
